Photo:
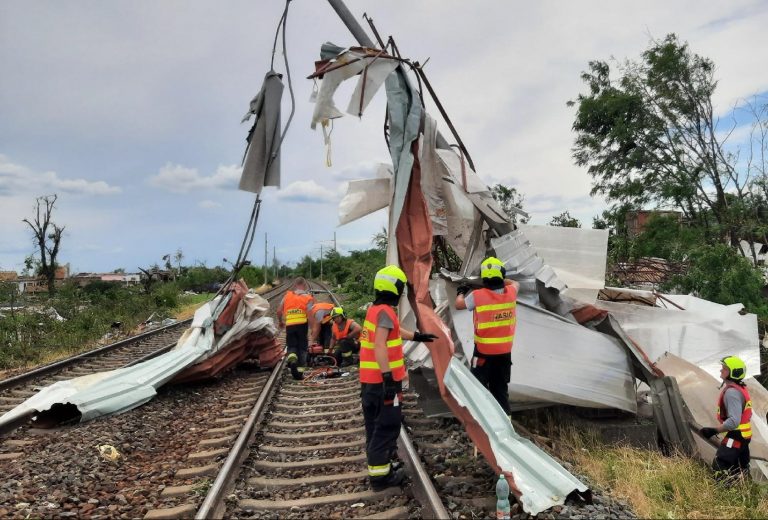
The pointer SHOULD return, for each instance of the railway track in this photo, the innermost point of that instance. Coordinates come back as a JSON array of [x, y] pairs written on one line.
[[254, 444], [180, 453]]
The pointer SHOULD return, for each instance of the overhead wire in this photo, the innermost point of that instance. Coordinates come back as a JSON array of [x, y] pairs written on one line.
[[250, 231]]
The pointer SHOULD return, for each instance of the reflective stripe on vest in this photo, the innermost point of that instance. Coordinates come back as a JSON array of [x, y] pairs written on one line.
[[338, 333], [370, 371], [295, 308], [495, 319], [745, 428]]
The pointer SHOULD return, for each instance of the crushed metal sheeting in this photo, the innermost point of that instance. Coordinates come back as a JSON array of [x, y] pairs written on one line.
[[699, 331], [116, 391]]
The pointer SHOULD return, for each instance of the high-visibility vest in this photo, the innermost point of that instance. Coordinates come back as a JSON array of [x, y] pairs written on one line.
[[295, 308], [322, 306], [370, 372], [744, 428], [338, 333], [495, 319]]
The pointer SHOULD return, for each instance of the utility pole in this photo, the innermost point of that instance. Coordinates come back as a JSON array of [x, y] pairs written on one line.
[[321, 262], [274, 263], [265, 259], [334, 241]]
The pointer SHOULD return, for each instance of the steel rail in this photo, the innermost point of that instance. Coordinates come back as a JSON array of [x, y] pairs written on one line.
[[212, 506], [45, 369], [423, 489]]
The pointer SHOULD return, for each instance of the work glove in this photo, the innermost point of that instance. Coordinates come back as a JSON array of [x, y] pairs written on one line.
[[391, 387], [708, 432], [424, 337], [463, 290]]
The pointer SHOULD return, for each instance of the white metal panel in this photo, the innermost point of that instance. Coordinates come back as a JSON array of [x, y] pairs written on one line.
[[702, 334], [557, 361]]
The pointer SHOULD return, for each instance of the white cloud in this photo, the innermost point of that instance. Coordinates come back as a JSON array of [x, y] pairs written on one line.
[[209, 204], [307, 191], [16, 179], [180, 179]]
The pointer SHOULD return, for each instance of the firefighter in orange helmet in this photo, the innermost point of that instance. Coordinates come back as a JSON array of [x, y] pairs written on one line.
[[382, 370], [494, 316]]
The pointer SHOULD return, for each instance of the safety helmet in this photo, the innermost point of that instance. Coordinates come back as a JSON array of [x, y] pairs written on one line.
[[737, 369], [491, 268], [390, 279], [337, 311]]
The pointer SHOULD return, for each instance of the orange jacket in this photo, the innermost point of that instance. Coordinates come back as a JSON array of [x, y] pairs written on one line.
[[495, 319], [295, 308], [370, 372]]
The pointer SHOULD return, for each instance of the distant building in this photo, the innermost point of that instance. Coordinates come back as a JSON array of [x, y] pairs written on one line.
[[83, 279], [637, 220], [8, 276]]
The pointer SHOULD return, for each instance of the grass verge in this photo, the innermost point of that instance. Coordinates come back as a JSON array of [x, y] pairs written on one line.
[[657, 486]]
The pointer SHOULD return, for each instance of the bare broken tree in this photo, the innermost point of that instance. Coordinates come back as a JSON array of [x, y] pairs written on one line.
[[47, 237]]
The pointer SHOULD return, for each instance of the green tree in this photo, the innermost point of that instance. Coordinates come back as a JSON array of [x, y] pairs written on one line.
[[719, 274], [650, 136], [565, 219], [380, 239], [510, 201], [665, 237]]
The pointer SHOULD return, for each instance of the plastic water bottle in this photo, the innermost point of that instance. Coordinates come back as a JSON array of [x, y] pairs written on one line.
[[502, 499]]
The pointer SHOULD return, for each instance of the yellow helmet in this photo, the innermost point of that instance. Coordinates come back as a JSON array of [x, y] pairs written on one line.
[[737, 369], [390, 279], [337, 311], [491, 268]]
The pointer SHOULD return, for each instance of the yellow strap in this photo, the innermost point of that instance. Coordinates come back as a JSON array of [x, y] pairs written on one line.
[[390, 344], [374, 365], [492, 324], [368, 325], [495, 307], [505, 339], [379, 471]]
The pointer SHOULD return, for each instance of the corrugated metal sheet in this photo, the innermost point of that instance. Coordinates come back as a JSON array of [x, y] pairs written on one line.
[[116, 391], [544, 483]]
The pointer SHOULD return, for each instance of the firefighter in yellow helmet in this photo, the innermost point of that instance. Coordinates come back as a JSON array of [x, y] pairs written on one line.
[[345, 334], [494, 315], [733, 413], [382, 370]]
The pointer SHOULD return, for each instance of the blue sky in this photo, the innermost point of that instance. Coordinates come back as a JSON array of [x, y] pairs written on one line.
[[130, 112]]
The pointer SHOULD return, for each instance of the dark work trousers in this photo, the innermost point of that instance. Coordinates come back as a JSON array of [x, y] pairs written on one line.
[[493, 372], [732, 461], [382, 426], [324, 337], [296, 341], [344, 350]]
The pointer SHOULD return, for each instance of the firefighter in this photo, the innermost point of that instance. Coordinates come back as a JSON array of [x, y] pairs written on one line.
[[382, 370], [320, 320], [494, 317], [733, 413], [292, 315], [344, 337]]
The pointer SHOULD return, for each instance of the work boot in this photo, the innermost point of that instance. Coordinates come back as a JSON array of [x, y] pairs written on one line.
[[394, 478], [295, 372]]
